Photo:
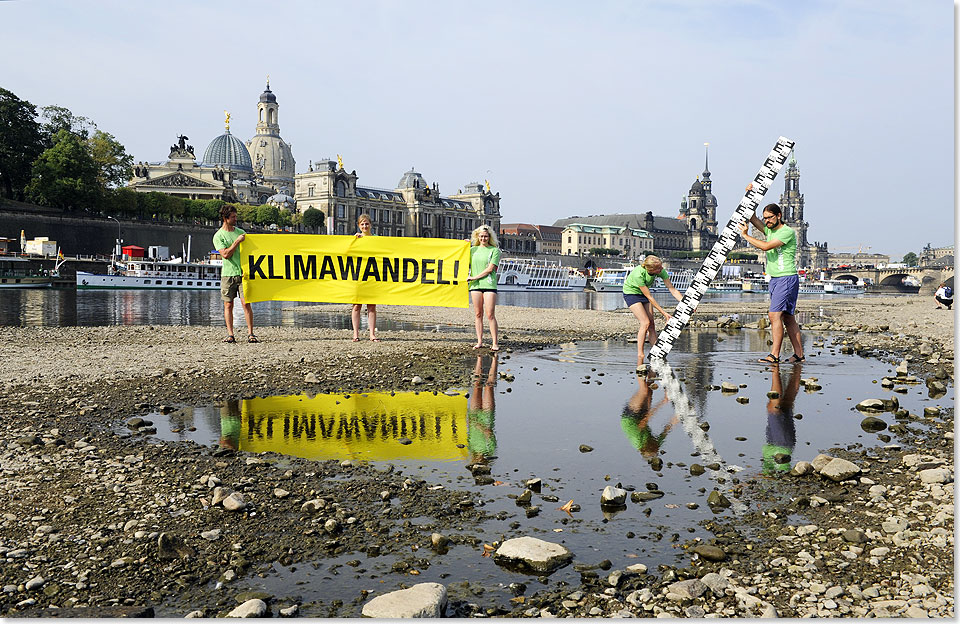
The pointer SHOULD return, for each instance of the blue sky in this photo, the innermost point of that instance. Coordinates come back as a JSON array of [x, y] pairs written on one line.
[[568, 108]]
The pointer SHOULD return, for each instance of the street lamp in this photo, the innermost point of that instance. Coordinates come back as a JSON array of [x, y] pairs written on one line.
[[116, 249]]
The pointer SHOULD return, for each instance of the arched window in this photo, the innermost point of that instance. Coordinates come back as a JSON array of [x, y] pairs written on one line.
[[271, 116], [340, 188]]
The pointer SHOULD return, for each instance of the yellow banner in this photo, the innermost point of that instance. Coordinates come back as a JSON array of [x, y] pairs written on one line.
[[347, 269], [364, 426]]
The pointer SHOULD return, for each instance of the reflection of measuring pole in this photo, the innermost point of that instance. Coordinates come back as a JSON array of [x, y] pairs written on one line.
[[691, 425], [728, 238]]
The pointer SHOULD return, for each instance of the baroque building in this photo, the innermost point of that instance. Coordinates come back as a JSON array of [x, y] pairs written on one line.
[[227, 170], [412, 208]]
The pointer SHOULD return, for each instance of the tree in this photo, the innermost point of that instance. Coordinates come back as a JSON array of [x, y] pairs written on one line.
[[313, 218], [65, 175], [116, 165], [59, 118], [910, 259], [21, 142], [267, 214]]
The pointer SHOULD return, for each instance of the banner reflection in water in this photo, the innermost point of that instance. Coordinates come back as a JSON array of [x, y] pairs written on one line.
[[365, 426]]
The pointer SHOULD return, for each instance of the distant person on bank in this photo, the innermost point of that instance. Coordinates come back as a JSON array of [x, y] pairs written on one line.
[[944, 296], [226, 241], [365, 225], [781, 248], [636, 294], [482, 277]]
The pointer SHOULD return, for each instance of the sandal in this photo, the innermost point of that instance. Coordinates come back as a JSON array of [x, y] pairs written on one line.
[[477, 346], [795, 359], [494, 349], [374, 340], [769, 359], [356, 340], [252, 338], [229, 339]]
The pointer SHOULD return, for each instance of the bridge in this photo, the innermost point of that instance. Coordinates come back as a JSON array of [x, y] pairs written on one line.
[[892, 278]]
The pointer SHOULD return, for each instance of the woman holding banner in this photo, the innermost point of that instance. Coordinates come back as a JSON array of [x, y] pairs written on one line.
[[364, 224], [484, 258]]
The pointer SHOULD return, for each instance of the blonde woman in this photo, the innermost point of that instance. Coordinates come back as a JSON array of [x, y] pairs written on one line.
[[482, 277], [636, 294], [364, 224]]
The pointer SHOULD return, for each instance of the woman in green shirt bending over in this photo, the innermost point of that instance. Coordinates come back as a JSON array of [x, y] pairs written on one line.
[[636, 294], [484, 258]]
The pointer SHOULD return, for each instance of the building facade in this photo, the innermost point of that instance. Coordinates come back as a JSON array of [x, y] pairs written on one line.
[[527, 238], [631, 243], [227, 170], [412, 208]]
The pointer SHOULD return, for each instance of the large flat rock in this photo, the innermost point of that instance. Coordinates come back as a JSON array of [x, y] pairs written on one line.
[[533, 554], [424, 600]]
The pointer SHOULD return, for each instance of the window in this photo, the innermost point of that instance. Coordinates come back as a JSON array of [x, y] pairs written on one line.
[[426, 220], [459, 223], [310, 191], [399, 232], [340, 188], [373, 214], [341, 211]]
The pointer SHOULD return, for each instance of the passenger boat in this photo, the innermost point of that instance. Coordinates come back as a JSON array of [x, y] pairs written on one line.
[[727, 285], [16, 272], [755, 285], [811, 287], [521, 274], [842, 287], [611, 280], [155, 275]]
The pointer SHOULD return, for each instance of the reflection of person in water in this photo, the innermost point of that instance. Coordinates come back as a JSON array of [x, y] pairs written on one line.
[[230, 424], [481, 440], [781, 430], [635, 419]]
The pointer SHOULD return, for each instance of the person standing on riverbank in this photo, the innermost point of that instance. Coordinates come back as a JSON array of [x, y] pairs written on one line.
[[484, 258], [365, 225], [226, 241], [636, 294], [781, 249]]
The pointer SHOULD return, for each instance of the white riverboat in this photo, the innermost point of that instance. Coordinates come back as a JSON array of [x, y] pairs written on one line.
[[842, 287], [756, 284], [522, 274], [18, 272], [155, 275], [611, 280], [726, 285]]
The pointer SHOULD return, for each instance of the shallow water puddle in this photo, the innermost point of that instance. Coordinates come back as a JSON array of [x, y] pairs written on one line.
[[579, 418]]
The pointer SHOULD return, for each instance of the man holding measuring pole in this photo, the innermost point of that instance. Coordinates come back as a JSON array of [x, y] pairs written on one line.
[[781, 249]]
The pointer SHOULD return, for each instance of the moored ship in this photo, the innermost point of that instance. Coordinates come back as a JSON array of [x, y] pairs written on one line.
[[520, 274]]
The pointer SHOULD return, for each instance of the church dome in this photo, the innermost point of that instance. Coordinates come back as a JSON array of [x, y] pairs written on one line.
[[412, 179], [267, 95], [229, 152], [282, 201], [696, 187]]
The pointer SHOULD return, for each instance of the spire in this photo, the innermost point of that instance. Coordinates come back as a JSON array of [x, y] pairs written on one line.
[[793, 159], [706, 160]]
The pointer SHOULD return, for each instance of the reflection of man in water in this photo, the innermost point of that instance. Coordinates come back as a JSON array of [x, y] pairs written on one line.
[[481, 441], [635, 420], [781, 432], [230, 424]]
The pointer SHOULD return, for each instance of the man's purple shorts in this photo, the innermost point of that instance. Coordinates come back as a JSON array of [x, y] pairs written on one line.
[[783, 293]]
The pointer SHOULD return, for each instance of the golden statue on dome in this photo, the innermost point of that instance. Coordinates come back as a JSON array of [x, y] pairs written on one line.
[[227, 121], [339, 161]]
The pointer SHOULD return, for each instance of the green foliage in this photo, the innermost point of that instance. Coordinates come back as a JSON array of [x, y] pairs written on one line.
[[65, 175], [21, 142], [247, 214], [122, 201], [116, 165], [313, 218], [266, 214], [740, 255], [689, 254], [601, 251], [59, 118], [911, 259]]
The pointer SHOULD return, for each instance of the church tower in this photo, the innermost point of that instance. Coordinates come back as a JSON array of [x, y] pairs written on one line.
[[791, 203], [272, 158], [701, 211]]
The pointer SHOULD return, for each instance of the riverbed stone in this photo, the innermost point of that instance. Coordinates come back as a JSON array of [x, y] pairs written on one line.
[[871, 405], [253, 608], [820, 461], [688, 589], [872, 424], [840, 469], [935, 475], [234, 502], [613, 496], [802, 468], [710, 552], [535, 554], [424, 600]]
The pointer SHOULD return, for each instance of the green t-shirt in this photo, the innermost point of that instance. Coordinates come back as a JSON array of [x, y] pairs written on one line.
[[782, 260], [223, 239], [639, 277], [480, 257]]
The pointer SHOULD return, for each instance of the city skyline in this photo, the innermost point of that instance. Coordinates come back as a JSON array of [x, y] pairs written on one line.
[[565, 111]]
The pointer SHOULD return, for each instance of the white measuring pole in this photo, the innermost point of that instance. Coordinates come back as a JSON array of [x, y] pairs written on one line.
[[727, 240]]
